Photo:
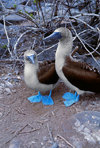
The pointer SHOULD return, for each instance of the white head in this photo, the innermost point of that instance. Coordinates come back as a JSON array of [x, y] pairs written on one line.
[[30, 57], [30, 68], [65, 34], [62, 34]]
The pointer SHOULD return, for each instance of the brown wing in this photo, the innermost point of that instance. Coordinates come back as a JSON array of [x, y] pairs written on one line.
[[82, 75], [47, 73]]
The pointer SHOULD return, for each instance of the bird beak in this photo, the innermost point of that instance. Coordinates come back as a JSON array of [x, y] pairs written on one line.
[[31, 59], [53, 36]]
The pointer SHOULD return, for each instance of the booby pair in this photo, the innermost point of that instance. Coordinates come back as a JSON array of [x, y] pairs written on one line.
[[78, 76], [39, 76]]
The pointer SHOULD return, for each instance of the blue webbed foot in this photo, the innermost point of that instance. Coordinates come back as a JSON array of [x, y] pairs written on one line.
[[70, 98], [36, 98], [47, 100]]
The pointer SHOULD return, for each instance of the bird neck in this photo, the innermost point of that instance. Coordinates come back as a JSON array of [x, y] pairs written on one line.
[[64, 49], [30, 69]]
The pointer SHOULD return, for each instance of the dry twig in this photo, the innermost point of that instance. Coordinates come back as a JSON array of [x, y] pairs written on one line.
[[15, 46], [66, 141], [84, 44], [2, 5], [47, 49], [50, 133], [16, 133], [28, 2], [31, 131], [87, 14], [7, 36]]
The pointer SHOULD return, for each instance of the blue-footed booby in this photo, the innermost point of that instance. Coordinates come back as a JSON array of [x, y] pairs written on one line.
[[41, 77], [78, 76]]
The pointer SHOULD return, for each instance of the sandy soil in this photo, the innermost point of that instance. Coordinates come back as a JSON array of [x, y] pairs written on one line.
[[27, 125]]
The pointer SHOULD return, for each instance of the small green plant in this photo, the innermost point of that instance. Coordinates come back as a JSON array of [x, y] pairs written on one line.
[[31, 15], [20, 11], [35, 1], [4, 46], [26, 12], [15, 6]]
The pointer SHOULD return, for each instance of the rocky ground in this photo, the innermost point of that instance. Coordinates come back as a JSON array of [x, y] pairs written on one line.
[[27, 125]]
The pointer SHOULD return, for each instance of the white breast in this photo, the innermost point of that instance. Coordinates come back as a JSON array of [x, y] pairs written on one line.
[[30, 76], [59, 63], [31, 80]]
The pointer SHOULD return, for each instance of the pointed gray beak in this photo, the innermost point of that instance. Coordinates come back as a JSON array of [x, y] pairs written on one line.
[[53, 36], [31, 59]]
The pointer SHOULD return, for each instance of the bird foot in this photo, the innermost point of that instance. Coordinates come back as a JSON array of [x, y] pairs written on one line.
[[36, 98], [70, 98], [46, 100]]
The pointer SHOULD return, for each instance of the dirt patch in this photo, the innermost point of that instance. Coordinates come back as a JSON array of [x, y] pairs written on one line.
[[28, 125]]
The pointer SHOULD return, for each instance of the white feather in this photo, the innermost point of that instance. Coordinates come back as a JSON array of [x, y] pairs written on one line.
[[31, 79], [64, 48]]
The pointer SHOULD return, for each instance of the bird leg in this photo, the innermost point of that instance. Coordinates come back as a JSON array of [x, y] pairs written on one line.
[[50, 93]]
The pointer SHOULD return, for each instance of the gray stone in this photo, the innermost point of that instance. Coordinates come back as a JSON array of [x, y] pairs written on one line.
[[8, 91], [1, 26], [14, 18], [9, 84], [1, 90], [24, 9], [84, 103], [1, 114], [83, 129], [0, 8], [15, 143], [14, 91], [45, 138], [2, 85], [13, 3], [55, 145]]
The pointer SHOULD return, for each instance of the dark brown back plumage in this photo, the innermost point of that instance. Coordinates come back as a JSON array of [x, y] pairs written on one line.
[[82, 75], [47, 73]]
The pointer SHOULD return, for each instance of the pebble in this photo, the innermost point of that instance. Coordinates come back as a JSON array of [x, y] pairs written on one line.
[[15, 143], [6, 77], [18, 77], [84, 103], [24, 9], [11, 3], [1, 26], [8, 91], [14, 18], [1, 90], [77, 123], [1, 87], [14, 91], [0, 114], [8, 84], [45, 138], [42, 144], [55, 145]]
